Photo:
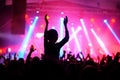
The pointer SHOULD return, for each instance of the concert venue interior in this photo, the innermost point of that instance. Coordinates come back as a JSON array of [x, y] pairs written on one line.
[[94, 26]]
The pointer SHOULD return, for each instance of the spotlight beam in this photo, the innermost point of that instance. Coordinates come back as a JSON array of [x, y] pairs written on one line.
[[27, 37], [75, 33], [114, 34], [76, 40], [100, 42], [85, 31], [61, 34]]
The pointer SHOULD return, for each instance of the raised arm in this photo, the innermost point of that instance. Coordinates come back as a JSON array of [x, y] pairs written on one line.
[[46, 20], [66, 38], [45, 31], [66, 29], [30, 53]]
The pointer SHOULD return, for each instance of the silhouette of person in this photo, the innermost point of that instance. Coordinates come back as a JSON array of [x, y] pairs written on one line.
[[51, 47]]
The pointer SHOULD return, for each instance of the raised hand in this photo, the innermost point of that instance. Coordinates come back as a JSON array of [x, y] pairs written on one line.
[[46, 19], [32, 48], [65, 20]]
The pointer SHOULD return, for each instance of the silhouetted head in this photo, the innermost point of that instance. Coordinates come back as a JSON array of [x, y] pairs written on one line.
[[52, 35], [90, 72], [36, 59], [21, 61]]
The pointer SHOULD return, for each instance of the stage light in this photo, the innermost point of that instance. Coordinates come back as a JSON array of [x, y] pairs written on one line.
[[76, 40], [39, 35], [75, 32], [53, 27], [36, 17], [113, 20], [9, 50], [37, 11], [0, 51], [26, 16], [27, 37], [100, 42], [105, 21], [90, 44], [62, 12], [92, 20], [61, 34], [85, 30], [112, 31]]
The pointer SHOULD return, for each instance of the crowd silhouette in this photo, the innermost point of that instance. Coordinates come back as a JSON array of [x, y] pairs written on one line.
[[51, 67]]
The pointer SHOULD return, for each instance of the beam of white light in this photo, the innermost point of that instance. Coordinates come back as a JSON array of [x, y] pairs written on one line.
[[100, 42], [75, 33], [85, 31], [26, 40], [114, 34], [72, 36], [61, 33], [76, 40], [61, 28]]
